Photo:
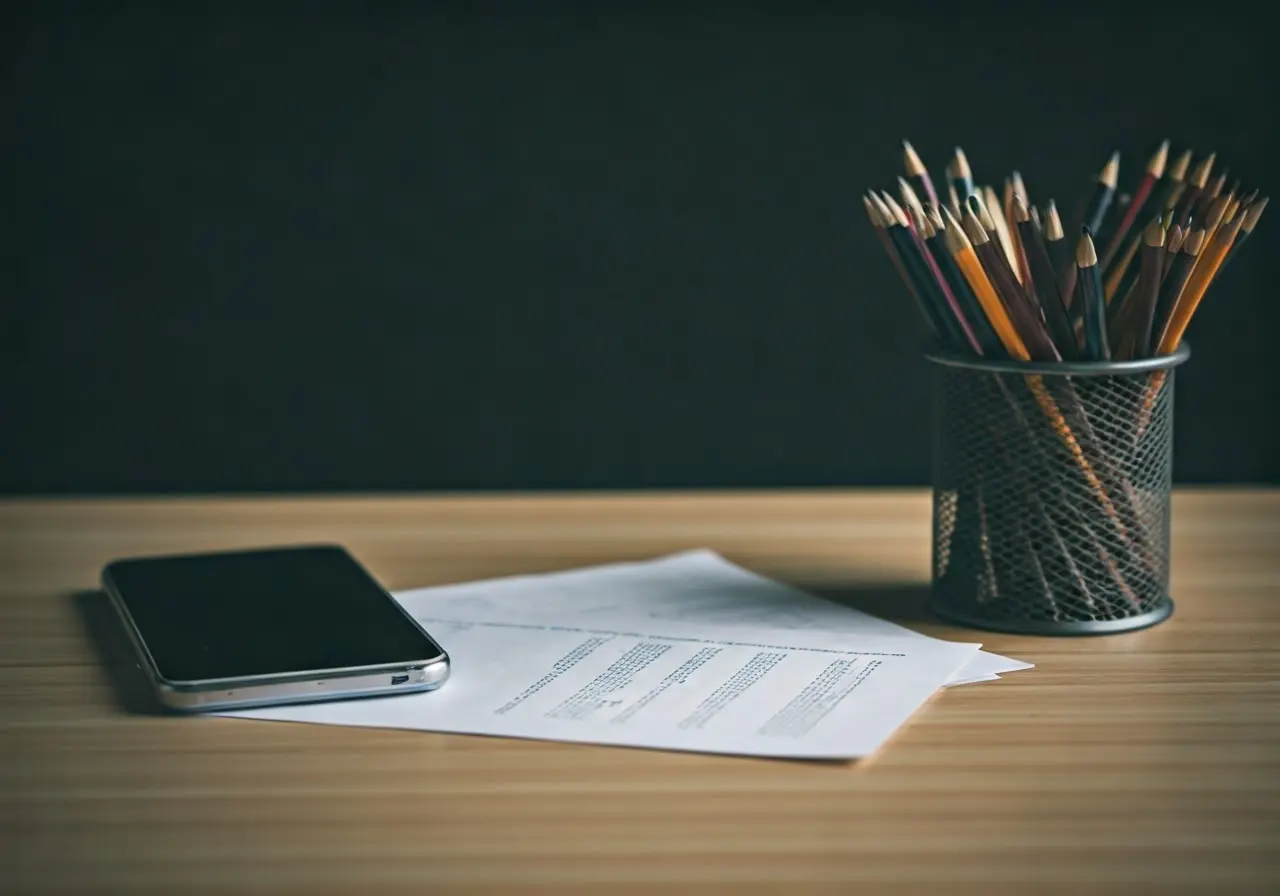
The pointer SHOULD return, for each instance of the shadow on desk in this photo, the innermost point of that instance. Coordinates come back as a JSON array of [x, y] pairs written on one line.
[[116, 655], [906, 603]]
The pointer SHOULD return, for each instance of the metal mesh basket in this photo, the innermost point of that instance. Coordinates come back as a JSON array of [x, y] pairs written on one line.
[[1051, 487]]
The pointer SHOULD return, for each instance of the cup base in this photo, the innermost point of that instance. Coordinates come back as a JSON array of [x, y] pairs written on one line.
[[1067, 628]]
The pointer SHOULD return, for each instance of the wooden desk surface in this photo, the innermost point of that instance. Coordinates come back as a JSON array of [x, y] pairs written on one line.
[[1147, 762]]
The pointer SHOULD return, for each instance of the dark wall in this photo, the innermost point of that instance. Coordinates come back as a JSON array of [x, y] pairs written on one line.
[[451, 246]]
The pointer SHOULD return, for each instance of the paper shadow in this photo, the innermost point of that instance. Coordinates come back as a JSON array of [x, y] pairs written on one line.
[[128, 682], [906, 603]]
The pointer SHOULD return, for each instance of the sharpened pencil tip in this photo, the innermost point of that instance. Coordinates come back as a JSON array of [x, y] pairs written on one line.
[[1200, 176], [1086, 254], [1174, 242], [1178, 171], [1020, 212], [974, 228], [963, 171], [1153, 234], [1053, 223], [1158, 161], [1110, 173], [871, 212], [899, 216], [1194, 242], [1253, 214], [911, 160]]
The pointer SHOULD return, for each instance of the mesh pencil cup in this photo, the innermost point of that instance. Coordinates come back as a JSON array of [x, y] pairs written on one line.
[[1051, 494]]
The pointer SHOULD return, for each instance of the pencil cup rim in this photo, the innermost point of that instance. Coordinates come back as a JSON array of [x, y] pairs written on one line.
[[1064, 368]]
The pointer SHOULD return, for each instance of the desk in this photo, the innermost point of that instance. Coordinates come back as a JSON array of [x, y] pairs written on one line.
[[1149, 762]]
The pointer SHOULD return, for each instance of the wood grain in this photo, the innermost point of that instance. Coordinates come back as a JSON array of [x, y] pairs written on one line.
[[1147, 762]]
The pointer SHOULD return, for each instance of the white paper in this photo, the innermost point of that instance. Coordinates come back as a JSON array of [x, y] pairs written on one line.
[[804, 696], [663, 683], [695, 587]]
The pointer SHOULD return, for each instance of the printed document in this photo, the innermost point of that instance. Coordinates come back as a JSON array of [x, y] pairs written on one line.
[[653, 676]]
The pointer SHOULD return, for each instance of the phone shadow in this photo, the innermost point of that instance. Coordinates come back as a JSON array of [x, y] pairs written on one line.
[[129, 684]]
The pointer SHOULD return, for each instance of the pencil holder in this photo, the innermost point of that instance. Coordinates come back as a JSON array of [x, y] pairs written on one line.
[[1051, 494]]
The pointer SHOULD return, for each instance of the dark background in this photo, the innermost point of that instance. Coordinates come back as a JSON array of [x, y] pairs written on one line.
[[451, 246]]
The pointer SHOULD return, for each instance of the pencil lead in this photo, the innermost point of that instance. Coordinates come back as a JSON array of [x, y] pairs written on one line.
[[1200, 175], [1156, 166], [911, 160], [1253, 213], [1110, 173], [1086, 255], [1178, 170], [1153, 234], [1053, 223]]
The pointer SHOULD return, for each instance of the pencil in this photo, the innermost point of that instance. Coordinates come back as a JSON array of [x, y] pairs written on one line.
[[1103, 192], [1174, 282], [1196, 182], [1015, 189], [1155, 171], [1062, 256], [995, 216], [1148, 288], [915, 168], [1174, 237], [1092, 302], [962, 175], [1042, 282]]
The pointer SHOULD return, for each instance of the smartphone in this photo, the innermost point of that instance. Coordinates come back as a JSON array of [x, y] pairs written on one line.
[[267, 627]]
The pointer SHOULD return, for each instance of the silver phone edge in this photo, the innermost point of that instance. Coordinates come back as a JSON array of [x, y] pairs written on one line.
[[261, 691]]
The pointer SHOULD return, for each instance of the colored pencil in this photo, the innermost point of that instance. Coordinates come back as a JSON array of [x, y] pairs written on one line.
[[1155, 171], [1092, 302], [915, 168], [1042, 282]]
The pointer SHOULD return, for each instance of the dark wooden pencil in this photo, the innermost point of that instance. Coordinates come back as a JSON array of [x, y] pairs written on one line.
[[1155, 171], [1042, 283], [1196, 182], [1061, 254], [1172, 246], [1174, 282], [1148, 288], [1104, 191], [1091, 300], [915, 168]]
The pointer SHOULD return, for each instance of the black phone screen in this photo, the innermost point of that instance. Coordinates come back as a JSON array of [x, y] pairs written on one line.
[[264, 612]]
